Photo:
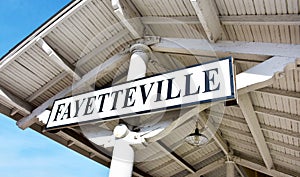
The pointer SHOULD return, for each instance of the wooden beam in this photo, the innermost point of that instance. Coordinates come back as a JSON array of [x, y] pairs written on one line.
[[154, 20], [45, 87], [262, 74], [212, 131], [128, 18], [277, 92], [207, 15], [101, 47], [176, 157], [14, 101], [291, 19], [225, 48], [98, 71], [263, 126], [282, 144], [259, 168], [268, 140], [211, 167], [65, 65], [245, 104], [275, 113]]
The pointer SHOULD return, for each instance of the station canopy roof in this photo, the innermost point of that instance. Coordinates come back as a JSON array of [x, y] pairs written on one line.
[[86, 45]]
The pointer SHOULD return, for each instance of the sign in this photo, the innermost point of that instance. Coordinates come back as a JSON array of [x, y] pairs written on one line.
[[180, 88]]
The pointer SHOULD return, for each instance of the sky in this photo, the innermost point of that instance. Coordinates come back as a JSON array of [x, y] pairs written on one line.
[[25, 153]]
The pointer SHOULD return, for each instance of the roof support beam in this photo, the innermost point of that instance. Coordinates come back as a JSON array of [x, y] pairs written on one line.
[[257, 167], [45, 87], [128, 18], [212, 131], [98, 71], [101, 47], [245, 104], [277, 92], [274, 113], [263, 126], [211, 167], [225, 48], [268, 140], [207, 15], [14, 101], [176, 157], [58, 60], [262, 74], [290, 19]]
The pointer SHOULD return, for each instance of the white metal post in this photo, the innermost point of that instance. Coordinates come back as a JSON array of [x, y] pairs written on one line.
[[123, 154], [122, 160]]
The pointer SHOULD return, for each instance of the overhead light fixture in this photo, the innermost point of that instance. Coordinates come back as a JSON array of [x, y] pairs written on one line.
[[196, 138]]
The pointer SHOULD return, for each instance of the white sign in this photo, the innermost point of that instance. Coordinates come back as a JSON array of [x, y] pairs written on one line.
[[180, 88]]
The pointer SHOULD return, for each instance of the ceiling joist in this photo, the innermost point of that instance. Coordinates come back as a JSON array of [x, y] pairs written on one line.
[[236, 49], [65, 65], [208, 18], [128, 17], [257, 167], [245, 104]]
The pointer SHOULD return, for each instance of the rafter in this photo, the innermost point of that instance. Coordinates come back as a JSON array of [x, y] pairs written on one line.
[[208, 18], [98, 71], [176, 157], [248, 135], [14, 101], [277, 92], [212, 131], [128, 17], [48, 85], [101, 47], [262, 74], [57, 59], [290, 19], [211, 167], [263, 126], [236, 49], [245, 104], [257, 167]]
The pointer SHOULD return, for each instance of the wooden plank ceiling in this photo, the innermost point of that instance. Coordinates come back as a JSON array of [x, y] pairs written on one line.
[[87, 44]]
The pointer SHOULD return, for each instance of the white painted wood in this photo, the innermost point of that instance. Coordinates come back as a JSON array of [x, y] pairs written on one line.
[[213, 166], [101, 47], [212, 131], [47, 86], [128, 18], [16, 102], [177, 160], [209, 19], [152, 20], [262, 74], [98, 71], [224, 48], [245, 104], [59, 61], [259, 168]]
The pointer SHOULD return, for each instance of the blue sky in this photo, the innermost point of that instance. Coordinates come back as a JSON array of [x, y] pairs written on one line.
[[25, 153]]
